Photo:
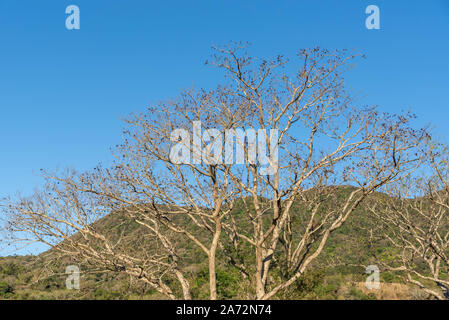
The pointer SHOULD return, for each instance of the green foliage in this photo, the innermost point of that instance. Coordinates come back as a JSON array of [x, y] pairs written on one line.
[[102, 294], [227, 284], [315, 284], [359, 295], [389, 277], [6, 290], [10, 269], [349, 246]]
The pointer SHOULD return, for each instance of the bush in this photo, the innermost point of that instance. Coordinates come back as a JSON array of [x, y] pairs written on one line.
[[11, 269], [6, 290], [228, 282], [359, 295]]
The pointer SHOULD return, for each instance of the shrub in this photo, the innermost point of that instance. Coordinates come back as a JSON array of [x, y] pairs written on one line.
[[6, 290]]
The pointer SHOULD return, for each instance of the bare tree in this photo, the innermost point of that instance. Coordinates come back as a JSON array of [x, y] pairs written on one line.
[[416, 223], [324, 142], [71, 223], [179, 171]]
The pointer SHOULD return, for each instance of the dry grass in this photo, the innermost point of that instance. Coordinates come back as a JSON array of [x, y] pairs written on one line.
[[389, 291]]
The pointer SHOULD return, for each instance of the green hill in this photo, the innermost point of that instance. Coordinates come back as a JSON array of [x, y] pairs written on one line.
[[339, 273]]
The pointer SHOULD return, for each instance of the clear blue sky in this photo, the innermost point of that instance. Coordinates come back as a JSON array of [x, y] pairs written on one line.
[[62, 92]]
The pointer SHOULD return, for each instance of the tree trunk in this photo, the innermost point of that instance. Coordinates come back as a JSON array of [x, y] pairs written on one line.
[[212, 262]]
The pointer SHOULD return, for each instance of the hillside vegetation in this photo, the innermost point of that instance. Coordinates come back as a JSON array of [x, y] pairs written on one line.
[[339, 273]]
